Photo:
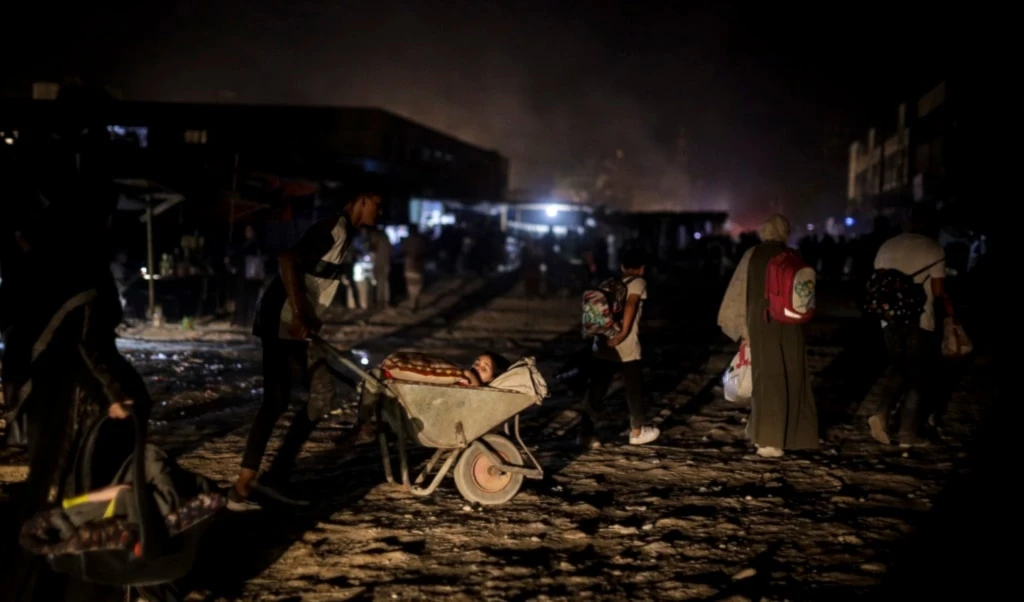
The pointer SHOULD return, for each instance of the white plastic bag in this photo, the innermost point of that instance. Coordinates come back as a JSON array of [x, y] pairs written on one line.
[[955, 342], [737, 380]]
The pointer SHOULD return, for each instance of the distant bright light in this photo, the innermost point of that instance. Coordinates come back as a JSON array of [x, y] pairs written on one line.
[[9, 140], [364, 361], [697, 235], [551, 211], [810, 227], [849, 221]]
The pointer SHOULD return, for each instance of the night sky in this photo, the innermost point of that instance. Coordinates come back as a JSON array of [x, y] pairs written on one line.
[[767, 99]]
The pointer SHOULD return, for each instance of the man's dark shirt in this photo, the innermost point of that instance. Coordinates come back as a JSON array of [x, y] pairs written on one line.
[[316, 242]]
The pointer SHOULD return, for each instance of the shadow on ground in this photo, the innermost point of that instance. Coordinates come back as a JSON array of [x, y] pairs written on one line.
[[964, 549]]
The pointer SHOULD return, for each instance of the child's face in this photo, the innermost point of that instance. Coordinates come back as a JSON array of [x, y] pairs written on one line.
[[484, 368]]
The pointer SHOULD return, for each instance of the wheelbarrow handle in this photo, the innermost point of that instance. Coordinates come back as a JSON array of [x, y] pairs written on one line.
[[344, 361]]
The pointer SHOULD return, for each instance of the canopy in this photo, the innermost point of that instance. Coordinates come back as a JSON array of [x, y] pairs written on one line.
[[136, 195]]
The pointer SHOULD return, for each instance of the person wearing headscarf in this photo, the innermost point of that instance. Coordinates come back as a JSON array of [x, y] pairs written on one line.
[[783, 412]]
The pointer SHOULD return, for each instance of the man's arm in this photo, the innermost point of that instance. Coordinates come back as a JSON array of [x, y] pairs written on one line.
[[937, 275], [939, 292], [293, 265], [290, 264], [628, 317]]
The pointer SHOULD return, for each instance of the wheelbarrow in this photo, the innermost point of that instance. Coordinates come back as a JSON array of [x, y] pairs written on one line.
[[459, 424]]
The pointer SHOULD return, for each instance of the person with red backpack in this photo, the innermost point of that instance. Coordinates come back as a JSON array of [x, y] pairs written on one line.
[[770, 297]]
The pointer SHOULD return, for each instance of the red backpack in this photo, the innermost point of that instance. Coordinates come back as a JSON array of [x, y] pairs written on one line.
[[789, 288]]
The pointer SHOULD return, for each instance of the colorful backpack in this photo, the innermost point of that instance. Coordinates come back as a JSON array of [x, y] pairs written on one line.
[[603, 306], [789, 288], [894, 297]]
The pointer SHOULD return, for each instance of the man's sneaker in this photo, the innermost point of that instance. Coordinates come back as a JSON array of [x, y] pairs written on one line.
[[877, 424], [237, 503], [769, 452], [645, 436]]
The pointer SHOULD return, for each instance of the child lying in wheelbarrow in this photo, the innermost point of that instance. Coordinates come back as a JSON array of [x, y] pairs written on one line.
[[486, 367], [422, 368]]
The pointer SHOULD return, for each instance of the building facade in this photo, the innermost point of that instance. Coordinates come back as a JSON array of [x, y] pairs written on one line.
[[879, 169], [262, 154], [916, 162]]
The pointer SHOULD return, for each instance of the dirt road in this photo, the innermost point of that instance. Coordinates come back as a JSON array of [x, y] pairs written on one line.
[[696, 516]]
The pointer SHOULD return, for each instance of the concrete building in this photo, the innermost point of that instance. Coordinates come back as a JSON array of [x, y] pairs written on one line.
[[261, 155], [878, 169], [918, 161]]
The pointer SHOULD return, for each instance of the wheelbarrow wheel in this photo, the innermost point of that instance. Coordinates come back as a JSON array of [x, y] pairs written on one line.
[[480, 481]]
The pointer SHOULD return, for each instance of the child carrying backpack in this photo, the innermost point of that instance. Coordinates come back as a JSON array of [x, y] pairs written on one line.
[[603, 307], [611, 318]]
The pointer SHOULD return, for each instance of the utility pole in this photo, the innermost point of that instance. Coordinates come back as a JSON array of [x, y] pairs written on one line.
[[149, 256], [234, 193]]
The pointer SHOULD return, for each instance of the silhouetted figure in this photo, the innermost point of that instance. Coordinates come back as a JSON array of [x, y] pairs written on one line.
[[248, 262], [293, 307], [415, 251]]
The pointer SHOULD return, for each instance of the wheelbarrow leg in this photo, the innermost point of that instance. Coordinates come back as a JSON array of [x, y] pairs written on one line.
[[424, 491], [403, 460], [386, 457], [526, 450], [430, 466]]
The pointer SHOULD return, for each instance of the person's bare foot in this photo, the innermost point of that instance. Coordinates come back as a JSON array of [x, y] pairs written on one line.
[[243, 484], [769, 452], [878, 430], [238, 497]]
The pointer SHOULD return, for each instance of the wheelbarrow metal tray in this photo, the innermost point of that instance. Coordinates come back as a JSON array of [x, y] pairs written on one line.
[[450, 417]]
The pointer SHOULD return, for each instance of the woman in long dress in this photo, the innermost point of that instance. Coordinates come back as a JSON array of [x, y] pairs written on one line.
[[783, 412]]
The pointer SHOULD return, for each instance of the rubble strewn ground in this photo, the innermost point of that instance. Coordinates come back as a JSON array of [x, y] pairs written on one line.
[[696, 516]]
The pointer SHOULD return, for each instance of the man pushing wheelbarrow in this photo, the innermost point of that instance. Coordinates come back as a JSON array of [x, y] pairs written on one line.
[[289, 312]]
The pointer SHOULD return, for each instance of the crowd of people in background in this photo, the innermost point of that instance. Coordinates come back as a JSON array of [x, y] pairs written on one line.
[[910, 403], [385, 269]]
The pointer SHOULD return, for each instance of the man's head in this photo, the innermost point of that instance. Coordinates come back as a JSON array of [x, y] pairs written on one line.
[[362, 211], [250, 232], [489, 365], [924, 220], [634, 261]]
